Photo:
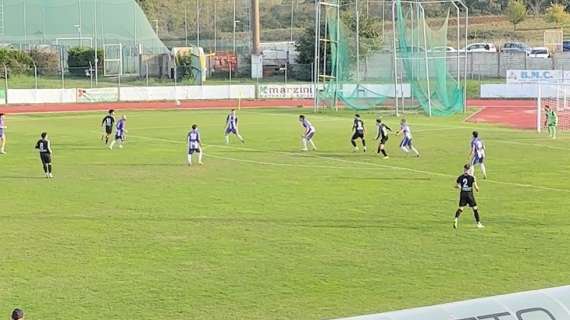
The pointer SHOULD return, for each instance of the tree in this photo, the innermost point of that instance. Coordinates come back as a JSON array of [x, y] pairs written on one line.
[[81, 59], [557, 14], [536, 6], [516, 12]]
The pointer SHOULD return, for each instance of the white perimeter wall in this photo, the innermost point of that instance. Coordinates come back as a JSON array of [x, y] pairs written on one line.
[[272, 91], [27, 96], [513, 91]]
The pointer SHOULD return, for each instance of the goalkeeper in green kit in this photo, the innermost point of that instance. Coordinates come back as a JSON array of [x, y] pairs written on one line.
[[551, 121]]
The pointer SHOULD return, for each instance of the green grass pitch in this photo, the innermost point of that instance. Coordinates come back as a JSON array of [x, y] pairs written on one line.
[[264, 231]]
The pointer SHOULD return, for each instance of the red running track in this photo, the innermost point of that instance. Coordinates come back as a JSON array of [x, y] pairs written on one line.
[[518, 114]]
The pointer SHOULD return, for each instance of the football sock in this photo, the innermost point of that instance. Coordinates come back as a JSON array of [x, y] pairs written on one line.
[[458, 213], [353, 143], [239, 137], [304, 143], [384, 152], [483, 170], [45, 168], [49, 168], [200, 157], [415, 151], [476, 214], [363, 142], [112, 144], [189, 159], [227, 137], [313, 145]]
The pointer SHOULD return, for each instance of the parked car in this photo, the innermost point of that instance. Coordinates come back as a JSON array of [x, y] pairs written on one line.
[[539, 52], [566, 45], [442, 49], [481, 47], [515, 47]]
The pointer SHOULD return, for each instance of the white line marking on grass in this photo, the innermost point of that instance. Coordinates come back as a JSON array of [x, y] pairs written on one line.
[[439, 129], [267, 163], [530, 186], [473, 115], [279, 164], [377, 165]]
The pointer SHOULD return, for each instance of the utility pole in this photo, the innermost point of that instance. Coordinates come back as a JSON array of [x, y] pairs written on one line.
[[215, 25], [156, 26], [234, 33], [198, 23], [256, 57], [256, 27], [186, 25]]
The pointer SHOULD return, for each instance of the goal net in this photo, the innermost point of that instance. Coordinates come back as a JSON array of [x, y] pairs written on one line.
[[557, 97]]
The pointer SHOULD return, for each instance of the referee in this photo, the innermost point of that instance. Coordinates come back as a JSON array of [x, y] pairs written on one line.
[[467, 184], [44, 147]]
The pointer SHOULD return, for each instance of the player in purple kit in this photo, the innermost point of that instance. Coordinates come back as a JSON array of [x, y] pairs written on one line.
[[477, 154], [121, 132], [232, 127], [3, 128], [407, 142], [194, 145], [307, 136]]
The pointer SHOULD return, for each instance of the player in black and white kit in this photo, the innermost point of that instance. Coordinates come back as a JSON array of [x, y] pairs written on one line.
[[383, 131], [468, 185], [44, 147], [358, 133], [107, 124]]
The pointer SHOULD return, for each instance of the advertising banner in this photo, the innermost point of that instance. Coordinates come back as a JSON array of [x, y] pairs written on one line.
[[97, 95], [537, 76], [546, 304]]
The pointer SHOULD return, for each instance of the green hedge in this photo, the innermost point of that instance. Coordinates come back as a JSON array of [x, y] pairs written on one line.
[[17, 61], [79, 59]]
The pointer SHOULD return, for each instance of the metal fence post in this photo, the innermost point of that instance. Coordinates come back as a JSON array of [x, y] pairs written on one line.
[[62, 68], [230, 85], [146, 65], [119, 87], [91, 74], [5, 84], [36, 75]]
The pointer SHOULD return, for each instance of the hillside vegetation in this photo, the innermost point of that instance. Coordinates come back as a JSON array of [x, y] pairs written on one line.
[[487, 22]]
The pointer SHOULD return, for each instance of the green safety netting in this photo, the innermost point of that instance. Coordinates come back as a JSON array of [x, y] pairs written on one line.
[[423, 52], [354, 77], [77, 22], [364, 80]]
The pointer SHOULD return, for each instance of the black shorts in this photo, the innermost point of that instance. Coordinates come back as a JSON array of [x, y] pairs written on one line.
[[194, 150], [358, 135], [108, 130], [467, 199], [383, 140], [45, 157], [119, 137]]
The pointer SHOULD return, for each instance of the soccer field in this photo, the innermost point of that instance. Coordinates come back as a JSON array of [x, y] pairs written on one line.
[[264, 231]]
